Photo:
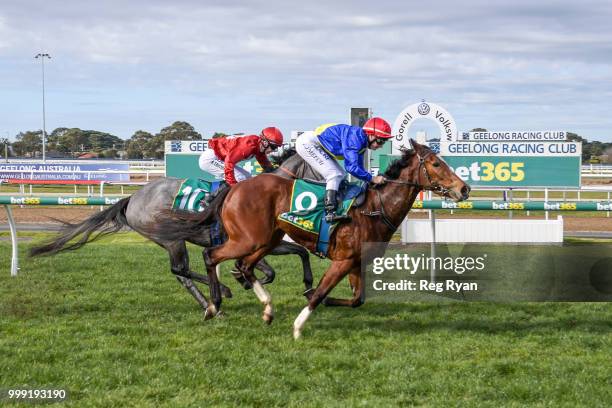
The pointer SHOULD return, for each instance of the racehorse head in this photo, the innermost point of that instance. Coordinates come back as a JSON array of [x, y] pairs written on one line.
[[422, 168], [435, 175]]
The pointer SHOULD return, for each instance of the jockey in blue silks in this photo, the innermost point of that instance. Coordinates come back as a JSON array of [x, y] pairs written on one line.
[[321, 148]]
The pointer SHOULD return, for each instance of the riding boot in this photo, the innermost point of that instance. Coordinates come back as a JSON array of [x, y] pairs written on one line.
[[209, 197], [331, 206]]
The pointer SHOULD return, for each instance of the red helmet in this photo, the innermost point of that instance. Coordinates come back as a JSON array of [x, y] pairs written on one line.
[[272, 135], [377, 127]]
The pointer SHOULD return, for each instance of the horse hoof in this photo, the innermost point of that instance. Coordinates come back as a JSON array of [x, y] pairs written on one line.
[[247, 285], [297, 334], [268, 318], [226, 293], [308, 293], [220, 315], [268, 314], [210, 312]]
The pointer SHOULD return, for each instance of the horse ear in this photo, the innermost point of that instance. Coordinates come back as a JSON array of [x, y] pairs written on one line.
[[415, 146]]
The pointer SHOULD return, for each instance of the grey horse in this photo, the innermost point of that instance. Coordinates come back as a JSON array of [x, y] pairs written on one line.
[[141, 212]]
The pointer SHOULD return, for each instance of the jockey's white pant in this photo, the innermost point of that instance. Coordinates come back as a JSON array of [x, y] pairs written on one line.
[[210, 163], [309, 148]]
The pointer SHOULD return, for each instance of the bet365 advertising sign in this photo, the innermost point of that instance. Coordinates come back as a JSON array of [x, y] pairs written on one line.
[[515, 164]]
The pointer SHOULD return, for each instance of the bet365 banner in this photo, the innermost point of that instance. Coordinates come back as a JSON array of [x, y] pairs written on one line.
[[515, 164]]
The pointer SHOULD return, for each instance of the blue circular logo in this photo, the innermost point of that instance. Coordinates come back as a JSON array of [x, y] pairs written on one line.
[[423, 108]]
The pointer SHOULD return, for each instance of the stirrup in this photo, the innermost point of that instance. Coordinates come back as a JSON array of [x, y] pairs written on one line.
[[333, 217]]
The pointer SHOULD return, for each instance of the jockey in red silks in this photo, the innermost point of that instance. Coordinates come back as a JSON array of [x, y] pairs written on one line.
[[224, 153]]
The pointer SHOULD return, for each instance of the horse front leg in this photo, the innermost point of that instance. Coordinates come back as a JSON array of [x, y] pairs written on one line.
[[330, 279], [356, 281], [290, 248]]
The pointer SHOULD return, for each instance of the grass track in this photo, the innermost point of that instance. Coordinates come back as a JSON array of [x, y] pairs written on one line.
[[110, 324]]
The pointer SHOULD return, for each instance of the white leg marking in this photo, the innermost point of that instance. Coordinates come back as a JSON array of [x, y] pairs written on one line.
[[299, 322], [218, 271], [210, 312], [269, 310], [268, 314], [261, 292]]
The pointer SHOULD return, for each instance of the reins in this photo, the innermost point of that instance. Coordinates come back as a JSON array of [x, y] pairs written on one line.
[[380, 213], [287, 172], [433, 186]]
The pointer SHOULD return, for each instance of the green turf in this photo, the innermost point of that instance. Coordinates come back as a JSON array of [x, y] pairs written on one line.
[[111, 325]]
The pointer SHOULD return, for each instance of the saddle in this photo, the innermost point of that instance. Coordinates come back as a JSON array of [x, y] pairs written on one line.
[[195, 195], [307, 208]]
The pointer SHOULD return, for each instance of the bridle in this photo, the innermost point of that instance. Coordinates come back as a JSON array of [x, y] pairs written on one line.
[[432, 186]]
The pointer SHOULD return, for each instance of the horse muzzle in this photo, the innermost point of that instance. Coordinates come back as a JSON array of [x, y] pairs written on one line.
[[459, 193]]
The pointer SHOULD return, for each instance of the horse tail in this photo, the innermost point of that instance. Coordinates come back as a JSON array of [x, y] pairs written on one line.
[[174, 225], [106, 222]]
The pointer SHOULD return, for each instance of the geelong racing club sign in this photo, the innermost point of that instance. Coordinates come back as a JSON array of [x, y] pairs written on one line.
[[537, 136], [515, 164], [436, 113], [185, 146]]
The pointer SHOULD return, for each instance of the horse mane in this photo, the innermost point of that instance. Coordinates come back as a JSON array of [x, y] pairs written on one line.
[[396, 167]]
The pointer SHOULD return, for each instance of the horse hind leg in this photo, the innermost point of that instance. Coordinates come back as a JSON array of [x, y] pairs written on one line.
[[234, 249], [240, 278], [267, 270], [230, 249], [262, 265], [193, 290], [214, 287], [179, 265], [225, 291], [246, 266]]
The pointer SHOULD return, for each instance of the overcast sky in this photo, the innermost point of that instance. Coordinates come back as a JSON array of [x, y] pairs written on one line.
[[232, 66]]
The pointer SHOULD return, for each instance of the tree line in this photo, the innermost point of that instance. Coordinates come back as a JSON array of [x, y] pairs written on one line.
[[597, 152], [73, 142]]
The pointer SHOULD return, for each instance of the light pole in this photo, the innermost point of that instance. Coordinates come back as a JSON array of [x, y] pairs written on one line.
[[44, 129]]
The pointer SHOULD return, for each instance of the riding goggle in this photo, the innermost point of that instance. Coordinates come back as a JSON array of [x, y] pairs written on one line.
[[380, 141], [269, 143]]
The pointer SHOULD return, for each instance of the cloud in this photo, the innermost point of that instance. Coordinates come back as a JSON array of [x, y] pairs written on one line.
[[320, 57]]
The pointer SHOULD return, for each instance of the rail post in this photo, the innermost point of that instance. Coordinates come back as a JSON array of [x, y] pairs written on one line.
[[546, 200], [15, 250], [432, 217], [528, 199]]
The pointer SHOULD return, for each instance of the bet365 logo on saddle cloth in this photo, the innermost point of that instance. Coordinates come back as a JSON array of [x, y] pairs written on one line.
[[191, 193], [307, 206]]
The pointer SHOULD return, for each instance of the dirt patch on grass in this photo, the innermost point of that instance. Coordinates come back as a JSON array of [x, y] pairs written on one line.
[[46, 215], [570, 223]]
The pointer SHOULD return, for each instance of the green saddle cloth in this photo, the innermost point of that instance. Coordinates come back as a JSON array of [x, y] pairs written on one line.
[[307, 206], [191, 193]]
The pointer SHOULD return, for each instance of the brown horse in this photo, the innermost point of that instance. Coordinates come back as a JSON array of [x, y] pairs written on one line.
[[249, 216]]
